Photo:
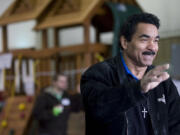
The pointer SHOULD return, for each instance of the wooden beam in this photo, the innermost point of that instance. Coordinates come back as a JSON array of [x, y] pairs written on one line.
[[44, 39], [52, 52], [93, 10], [16, 5], [57, 64], [88, 57], [10, 17], [5, 39], [69, 19], [97, 35], [56, 37], [87, 32], [87, 60], [78, 66]]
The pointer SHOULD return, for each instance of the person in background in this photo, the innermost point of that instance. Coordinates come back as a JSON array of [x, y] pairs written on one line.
[[53, 107]]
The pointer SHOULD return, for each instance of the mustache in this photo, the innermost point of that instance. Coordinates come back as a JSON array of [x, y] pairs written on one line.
[[149, 53]]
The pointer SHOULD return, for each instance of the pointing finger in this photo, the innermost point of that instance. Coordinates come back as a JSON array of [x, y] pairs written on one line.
[[162, 68]]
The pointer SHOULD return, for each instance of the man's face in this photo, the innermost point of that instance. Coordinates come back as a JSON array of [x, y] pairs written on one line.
[[143, 47], [61, 83]]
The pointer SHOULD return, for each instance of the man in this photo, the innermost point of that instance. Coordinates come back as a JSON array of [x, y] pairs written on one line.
[[53, 107], [126, 95]]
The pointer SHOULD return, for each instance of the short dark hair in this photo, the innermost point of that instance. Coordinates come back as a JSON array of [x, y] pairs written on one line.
[[55, 77], [129, 27]]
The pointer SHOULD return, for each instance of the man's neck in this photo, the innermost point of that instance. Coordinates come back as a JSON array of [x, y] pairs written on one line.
[[135, 70], [56, 90]]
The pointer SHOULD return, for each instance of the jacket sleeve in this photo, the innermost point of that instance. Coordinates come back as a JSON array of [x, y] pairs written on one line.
[[104, 101], [173, 109], [40, 111]]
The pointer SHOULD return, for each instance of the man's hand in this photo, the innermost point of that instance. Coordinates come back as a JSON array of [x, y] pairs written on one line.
[[154, 77], [57, 110]]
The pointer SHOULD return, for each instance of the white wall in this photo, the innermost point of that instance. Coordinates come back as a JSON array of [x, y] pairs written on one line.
[[4, 4], [20, 35], [72, 36], [168, 12]]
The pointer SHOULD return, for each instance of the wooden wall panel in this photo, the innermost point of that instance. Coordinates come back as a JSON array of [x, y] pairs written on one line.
[[164, 54]]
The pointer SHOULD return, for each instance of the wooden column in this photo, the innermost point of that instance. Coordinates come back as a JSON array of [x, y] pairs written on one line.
[[57, 64], [44, 39], [48, 70], [5, 49], [97, 35], [56, 37], [87, 58], [63, 64], [56, 44], [78, 67], [87, 33], [72, 76], [5, 39]]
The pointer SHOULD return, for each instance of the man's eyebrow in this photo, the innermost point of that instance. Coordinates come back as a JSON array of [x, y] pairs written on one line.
[[147, 36], [144, 36]]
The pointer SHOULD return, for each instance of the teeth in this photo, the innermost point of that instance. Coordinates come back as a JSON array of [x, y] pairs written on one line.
[[148, 54], [147, 57]]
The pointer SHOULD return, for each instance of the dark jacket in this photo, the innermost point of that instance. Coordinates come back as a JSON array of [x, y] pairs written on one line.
[[48, 123], [107, 96]]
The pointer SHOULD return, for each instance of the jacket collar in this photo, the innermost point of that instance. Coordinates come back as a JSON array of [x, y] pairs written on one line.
[[50, 90], [126, 69]]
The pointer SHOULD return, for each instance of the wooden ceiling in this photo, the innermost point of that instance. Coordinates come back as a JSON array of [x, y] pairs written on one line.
[[58, 13], [22, 10], [65, 13], [73, 12]]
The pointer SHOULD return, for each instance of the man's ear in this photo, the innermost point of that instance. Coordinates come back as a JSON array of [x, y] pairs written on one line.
[[123, 42]]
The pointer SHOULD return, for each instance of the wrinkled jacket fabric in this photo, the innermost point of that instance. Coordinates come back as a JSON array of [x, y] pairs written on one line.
[[107, 96]]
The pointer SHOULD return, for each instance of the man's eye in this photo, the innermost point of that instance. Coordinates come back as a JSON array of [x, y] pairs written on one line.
[[144, 39], [156, 41]]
